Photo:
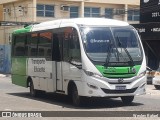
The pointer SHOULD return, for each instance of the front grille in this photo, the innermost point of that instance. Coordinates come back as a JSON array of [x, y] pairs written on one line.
[[107, 91], [119, 83]]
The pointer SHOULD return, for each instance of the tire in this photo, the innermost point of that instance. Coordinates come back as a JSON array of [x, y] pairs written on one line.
[[76, 99], [157, 87], [33, 92], [127, 99]]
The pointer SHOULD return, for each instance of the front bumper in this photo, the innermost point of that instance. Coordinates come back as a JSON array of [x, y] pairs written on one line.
[[104, 89]]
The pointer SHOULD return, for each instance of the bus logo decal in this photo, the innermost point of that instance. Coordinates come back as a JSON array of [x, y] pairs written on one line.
[[120, 80]]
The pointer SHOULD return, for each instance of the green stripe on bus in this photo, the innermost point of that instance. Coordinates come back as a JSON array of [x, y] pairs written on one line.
[[118, 72], [19, 80], [23, 30]]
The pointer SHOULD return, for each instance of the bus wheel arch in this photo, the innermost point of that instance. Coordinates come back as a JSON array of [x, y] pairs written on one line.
[[29, 80]]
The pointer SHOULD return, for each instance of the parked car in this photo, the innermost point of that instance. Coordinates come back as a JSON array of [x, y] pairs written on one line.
[[153, 77], [156, 79], [150, 75]]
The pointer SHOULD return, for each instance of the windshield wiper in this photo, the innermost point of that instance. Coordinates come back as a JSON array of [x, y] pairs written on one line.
[[125, 49], [108, 55]]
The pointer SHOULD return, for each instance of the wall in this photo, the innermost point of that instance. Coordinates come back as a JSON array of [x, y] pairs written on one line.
[[61, 14], [15, 14], [5, 58], [30, 15], [1, 12], [130, 2], [58, 13], [7, 1]]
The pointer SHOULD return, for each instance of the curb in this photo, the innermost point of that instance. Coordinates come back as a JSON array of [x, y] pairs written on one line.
[[5, 75]]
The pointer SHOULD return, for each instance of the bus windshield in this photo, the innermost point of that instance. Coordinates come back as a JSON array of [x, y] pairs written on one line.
[[112, 44]]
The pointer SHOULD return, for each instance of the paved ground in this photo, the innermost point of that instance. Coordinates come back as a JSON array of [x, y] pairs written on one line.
[[15, 98]]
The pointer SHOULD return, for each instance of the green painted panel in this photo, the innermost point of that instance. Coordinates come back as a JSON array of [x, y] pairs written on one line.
[[19, 80], [19, 71], [118, 72], [23, 30], [19, 66]]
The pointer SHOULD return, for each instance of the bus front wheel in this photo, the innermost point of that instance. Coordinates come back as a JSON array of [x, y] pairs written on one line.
[[127, 99], [76, 99]]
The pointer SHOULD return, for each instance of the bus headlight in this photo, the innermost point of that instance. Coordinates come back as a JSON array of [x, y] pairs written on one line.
[[89, 73], [142, 74]]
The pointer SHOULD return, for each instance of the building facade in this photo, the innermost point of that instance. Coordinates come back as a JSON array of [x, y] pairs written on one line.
[[149, 30], [45, 10], [40, 10]]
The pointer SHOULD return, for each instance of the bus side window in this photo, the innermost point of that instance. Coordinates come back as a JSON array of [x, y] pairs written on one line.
[[28, 42], [49, 52], [74, 49], [33, 45], [56, 47], [44, 44], [66, 37], [71, 49], [19, 45]]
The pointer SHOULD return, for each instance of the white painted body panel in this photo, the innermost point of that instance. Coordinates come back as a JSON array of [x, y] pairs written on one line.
[[40, 71], [59, 76]]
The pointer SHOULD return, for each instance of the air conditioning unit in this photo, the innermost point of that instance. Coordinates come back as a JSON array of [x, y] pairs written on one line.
[[65, 8], [4, 10], [23, 8], [7, 10]]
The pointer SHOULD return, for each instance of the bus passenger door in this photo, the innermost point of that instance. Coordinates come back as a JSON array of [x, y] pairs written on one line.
[[57, 63]]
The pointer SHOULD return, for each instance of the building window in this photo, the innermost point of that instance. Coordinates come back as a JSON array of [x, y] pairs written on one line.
[[74, 12], [44, 44], [133, 15], [33, 41], [45, 10], [120, 11], [91, 12], [109, 12]]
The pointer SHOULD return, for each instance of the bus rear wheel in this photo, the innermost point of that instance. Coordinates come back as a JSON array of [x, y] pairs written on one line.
[[76, 99], [33, 92], [157, 87], [127, 99]]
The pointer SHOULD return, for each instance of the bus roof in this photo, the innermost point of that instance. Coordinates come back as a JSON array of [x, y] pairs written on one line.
[[23, 30], [81, 21]]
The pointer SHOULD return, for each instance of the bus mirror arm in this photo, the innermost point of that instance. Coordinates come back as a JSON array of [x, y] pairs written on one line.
[[79, 66]]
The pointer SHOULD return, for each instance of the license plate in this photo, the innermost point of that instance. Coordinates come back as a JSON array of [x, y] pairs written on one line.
[[120, 87]]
